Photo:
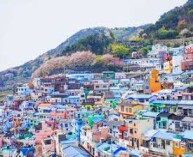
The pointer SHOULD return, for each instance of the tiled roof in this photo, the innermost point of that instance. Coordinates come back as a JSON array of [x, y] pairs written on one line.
[[44, 105]]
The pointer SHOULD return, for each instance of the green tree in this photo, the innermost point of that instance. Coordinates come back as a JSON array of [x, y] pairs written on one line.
[[97, 43], [144, 51], [163, 33], [120, 50]]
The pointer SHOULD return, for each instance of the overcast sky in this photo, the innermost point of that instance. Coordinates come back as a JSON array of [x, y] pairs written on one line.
[[29, 28]]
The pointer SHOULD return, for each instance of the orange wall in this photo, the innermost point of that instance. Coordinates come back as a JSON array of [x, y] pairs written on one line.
[[154, 84], [178, 150]]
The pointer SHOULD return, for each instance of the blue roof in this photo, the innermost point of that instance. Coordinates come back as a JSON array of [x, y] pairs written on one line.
[[185, 102], [25, 151], [74, 151], [141, 96], [111, 148], [68, 141], [150, 114], [164, 135], [188, 72], [174, 74], [188, 134], [165, 102], [97, 119], [119, 149], [173, 102], [180, 88], [135, 153], [74, 97]]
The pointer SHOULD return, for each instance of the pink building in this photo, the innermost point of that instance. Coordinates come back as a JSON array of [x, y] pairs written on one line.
[[44, 133]]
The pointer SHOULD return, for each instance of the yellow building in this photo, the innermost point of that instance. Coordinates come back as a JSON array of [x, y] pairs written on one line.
[[89, 107], [168, 67], [128, 108]]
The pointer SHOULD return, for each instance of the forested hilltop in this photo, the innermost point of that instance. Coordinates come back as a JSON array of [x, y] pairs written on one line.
[[176, 23]]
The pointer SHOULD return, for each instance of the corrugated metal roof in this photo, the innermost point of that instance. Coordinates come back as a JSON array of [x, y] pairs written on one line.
[[74, 151], [150, 114], [164, 135], [188, 134], [165, 102], [141, 96], [185, 102]]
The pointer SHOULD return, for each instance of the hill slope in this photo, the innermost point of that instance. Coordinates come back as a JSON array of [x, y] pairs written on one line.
[[10, 77], [173, 24]]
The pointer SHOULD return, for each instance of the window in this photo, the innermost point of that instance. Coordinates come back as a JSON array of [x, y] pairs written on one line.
[[130, 110], [168, 142], [127, 110], [122, 108], [190, 145], [125, 134], [177, 124], [131, 131], [47, 142], [102, 140]]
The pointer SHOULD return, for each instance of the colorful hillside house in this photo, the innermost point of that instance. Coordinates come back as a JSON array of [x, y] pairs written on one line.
[[94, 118], [154, 84], [108, 75], [164, 105], [128, 108]]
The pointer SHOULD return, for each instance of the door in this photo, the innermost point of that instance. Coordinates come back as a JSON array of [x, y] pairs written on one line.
[[163, 144]]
